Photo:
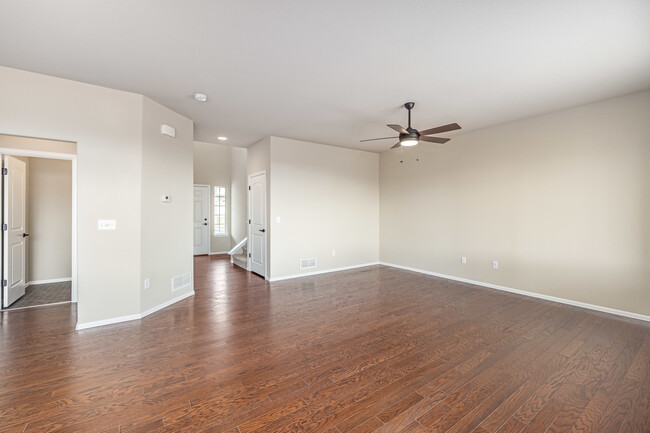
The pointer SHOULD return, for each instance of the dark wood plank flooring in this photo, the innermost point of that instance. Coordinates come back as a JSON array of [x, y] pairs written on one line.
[[369, 350]]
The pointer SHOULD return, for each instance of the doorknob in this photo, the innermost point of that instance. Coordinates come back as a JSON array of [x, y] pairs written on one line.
[[25, 235], [262, 230]]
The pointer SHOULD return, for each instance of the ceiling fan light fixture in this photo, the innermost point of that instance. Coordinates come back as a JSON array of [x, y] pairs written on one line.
[[409, 142]]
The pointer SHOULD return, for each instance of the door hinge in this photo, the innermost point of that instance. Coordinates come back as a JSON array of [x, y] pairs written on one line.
[[249, 187], [4, 283], [249, 221], [249, 254], [4, 227], [5, 171]]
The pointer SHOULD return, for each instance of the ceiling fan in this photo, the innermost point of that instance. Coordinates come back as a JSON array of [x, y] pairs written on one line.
[[410, 136]]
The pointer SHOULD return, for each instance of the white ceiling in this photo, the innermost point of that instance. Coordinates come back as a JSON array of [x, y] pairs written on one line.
[[337, 71]]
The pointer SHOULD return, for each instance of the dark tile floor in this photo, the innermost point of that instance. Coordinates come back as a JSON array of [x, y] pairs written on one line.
[[43, 294]]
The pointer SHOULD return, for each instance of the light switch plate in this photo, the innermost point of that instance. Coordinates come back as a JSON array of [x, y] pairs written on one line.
[[106, 225]]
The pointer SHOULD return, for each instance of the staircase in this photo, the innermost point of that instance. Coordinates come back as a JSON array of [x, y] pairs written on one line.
[[239, 254], [241, 258]]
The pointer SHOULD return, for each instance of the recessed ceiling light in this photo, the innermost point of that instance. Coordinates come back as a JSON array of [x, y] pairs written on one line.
[[222, 138], [201, 97]]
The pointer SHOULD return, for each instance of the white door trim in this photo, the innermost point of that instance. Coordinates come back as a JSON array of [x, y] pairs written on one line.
[[69, 157]]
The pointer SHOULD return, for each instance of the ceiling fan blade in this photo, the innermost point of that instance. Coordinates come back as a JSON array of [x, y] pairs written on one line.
[[396, 145], [440, 129], [398, 129], [373, 139], [438, 140]]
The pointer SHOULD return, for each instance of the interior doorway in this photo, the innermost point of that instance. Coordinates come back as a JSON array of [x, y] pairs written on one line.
[[39, 251]]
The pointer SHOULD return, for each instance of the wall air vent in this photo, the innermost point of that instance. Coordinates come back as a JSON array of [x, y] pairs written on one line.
[[181, 281], [307, 263]]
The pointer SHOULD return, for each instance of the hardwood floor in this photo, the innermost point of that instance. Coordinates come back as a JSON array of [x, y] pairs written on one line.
[[369, 350]]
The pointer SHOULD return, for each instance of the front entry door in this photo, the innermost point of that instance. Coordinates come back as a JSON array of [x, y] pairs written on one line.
[[201, 219], [257, 226], [13, 242]]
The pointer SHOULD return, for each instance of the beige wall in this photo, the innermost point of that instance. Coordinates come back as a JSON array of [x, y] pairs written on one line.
[[50, 219], [327, 199], [107, 127], [37, 144], [562, 201], [238, 195], [166, 227], [111, 137], [221, 165]]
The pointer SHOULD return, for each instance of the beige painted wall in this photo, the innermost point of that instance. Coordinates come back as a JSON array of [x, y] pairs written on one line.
[[166, 227], [238, 195], [212, 167], [562, 201], [37, 144], [107, 126], [50, 219], [120, 167], [327, 199]]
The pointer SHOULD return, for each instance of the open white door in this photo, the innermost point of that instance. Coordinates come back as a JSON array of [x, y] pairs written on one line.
[[13, 240], [201, 219], [257, 226]]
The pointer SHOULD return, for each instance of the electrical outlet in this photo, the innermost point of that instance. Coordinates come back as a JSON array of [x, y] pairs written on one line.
[[333, 253], [147, 283], [495, 264], [463, 260]]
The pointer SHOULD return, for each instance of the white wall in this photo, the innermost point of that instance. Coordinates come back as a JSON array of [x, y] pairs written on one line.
[[50, 215], [562, 201], [327, 198], [166, 227]]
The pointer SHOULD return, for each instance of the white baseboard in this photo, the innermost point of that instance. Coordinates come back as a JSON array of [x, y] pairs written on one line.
[[326, 271], [53, 280], [217, 252], [128, 318], [36, 306], [110, 321], [167, 304], [525, 293]]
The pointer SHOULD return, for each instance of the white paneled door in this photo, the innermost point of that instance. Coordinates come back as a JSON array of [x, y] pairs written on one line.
[[13, 242], [257, 227], [201, 219]]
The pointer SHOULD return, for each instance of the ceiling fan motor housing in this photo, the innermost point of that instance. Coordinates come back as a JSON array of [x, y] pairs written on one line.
[[412, 135]]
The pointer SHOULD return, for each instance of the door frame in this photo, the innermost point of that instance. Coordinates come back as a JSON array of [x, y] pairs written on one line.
[[267, 259], [210, 210], [69, 157]]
